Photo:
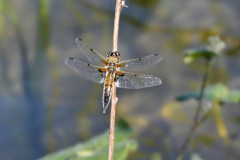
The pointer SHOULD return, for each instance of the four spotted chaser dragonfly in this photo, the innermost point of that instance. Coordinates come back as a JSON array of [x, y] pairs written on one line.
[[109, 69]]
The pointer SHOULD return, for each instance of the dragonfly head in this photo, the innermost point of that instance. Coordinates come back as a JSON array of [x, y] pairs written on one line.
[[114, 56]]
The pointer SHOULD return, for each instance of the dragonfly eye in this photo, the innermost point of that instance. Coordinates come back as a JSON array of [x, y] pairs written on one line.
[[110, 54], [117, 54]]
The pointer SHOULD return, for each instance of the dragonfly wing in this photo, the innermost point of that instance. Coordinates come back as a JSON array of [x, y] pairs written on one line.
[[88, 71], [140, 63], [92, 55], [134, 81]]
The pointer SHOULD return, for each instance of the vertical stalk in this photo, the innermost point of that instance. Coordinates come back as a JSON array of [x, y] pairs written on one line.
[[112, 123], [116, 24], [196, 121], [205, 77], [119, 5]]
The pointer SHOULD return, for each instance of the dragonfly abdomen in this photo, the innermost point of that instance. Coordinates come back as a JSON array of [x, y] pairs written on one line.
[[107, 90]]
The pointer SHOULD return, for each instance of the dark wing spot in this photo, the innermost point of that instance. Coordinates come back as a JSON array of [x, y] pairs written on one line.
[[91, 49], [88, 64], [140, 59], [71, 58], [135, 75], [80, 39], [156, 54]]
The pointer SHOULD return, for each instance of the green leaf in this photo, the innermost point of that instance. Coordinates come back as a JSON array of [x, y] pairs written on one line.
[[188, 95], [191, 55], [218, 92], [97, 148], [233, 97]]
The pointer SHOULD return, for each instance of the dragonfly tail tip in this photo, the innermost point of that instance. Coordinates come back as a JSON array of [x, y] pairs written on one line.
[[104, 111]]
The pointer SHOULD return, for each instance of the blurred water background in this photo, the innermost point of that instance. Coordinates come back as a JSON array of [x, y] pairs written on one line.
[[44, 106]]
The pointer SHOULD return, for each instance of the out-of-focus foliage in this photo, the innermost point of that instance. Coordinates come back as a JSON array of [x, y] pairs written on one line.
[[216, 44], [233, 96], [173, 111], [45, 107], [218, 92], [194, 54], [221, 126], [207, 140], [144, 3], [156, 156], [215, 48], [97, 147], [216, 95], [195, 156]]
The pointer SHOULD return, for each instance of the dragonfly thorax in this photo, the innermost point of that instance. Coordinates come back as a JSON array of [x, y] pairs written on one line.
[[111, 69]]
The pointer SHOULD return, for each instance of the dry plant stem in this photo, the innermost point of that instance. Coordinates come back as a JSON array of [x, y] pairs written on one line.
[[112, 123], [116, 24], [196, 121], [114, 98], [205, 77]]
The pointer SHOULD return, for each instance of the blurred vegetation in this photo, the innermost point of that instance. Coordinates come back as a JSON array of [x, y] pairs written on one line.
[[33, 71], [97, 147], [143, 3], [33, 90], [216, 95]]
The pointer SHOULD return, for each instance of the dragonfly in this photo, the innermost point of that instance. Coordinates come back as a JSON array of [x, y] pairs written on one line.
[[110, 69]]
